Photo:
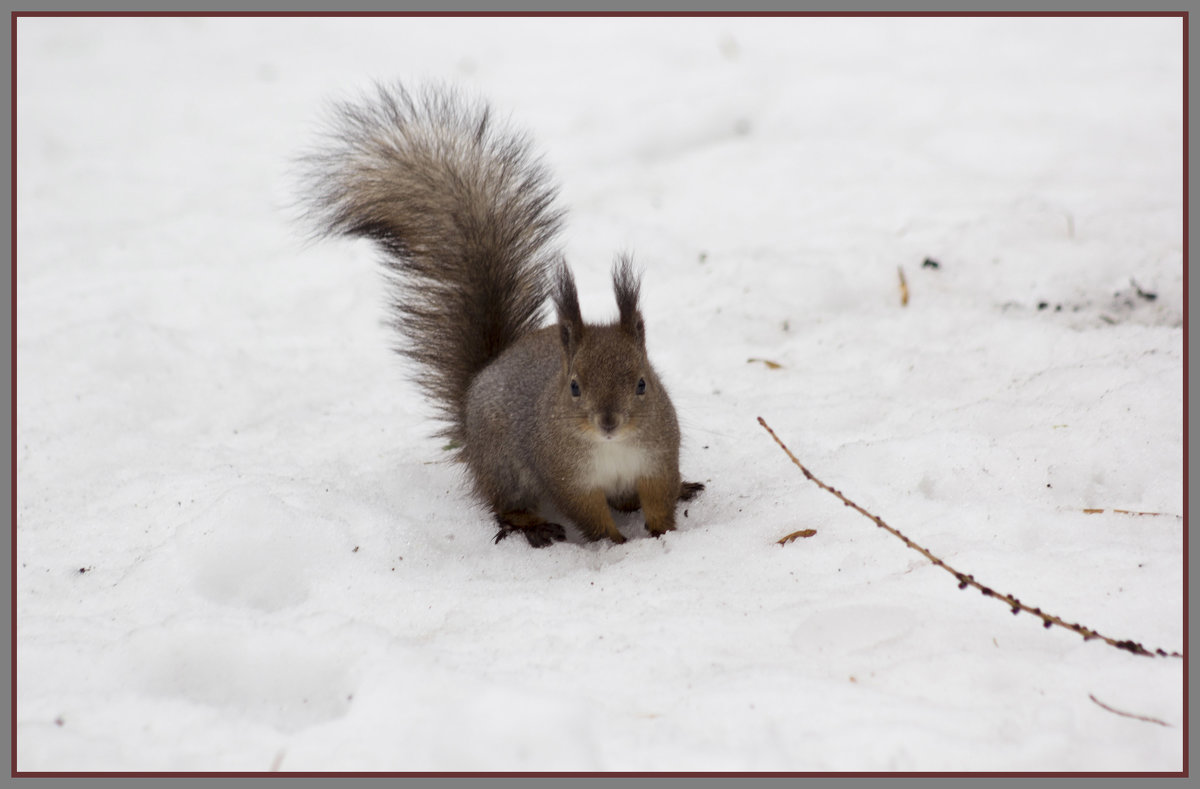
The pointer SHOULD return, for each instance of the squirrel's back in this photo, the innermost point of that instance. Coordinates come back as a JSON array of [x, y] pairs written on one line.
[[466, 218]]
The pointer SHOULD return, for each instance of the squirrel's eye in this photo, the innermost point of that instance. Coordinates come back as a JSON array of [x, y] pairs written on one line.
[[641, 387], [574, 388]]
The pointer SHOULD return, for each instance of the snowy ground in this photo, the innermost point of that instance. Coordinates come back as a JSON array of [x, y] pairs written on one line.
[[239, 548]]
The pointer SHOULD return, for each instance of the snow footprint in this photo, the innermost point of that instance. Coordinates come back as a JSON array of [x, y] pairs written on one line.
[[280, 677], [856, 629], [250, 549]]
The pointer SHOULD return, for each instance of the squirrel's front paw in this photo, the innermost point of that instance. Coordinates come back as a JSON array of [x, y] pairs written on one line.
[[661, 529]]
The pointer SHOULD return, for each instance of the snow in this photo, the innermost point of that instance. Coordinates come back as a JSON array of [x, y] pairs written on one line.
[[238, 547]]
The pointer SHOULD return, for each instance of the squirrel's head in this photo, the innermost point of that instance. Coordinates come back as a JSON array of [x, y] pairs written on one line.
[[607, 380]]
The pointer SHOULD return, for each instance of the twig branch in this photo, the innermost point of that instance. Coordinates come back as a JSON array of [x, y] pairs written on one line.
[[1094, 511], [964, 580], [1128, 714]]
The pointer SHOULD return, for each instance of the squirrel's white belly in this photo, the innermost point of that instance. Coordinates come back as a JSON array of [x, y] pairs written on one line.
[[616, 466]]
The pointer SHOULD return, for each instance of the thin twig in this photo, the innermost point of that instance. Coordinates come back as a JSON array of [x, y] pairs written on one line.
[[1129, 714], [1095, 511], [964, 580]]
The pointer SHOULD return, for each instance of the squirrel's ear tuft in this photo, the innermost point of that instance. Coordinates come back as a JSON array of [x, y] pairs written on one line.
[[628, 285], [566, 303]]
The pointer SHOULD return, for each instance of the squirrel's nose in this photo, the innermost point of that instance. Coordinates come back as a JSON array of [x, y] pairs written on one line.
[[608, 421]]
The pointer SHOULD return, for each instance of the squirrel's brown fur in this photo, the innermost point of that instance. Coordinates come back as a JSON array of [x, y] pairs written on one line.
[[569, 418]]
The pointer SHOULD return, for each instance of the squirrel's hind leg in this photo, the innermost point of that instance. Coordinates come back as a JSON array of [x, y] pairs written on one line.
[[537, 530], [690, 490]]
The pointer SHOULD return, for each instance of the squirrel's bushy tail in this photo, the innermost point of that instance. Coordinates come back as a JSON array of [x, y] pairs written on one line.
[[465, 216]]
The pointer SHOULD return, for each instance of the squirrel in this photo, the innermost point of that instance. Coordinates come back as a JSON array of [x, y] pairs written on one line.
[[568, 418]]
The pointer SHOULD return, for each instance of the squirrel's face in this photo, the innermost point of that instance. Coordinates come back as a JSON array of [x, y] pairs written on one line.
[[607, 383]]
